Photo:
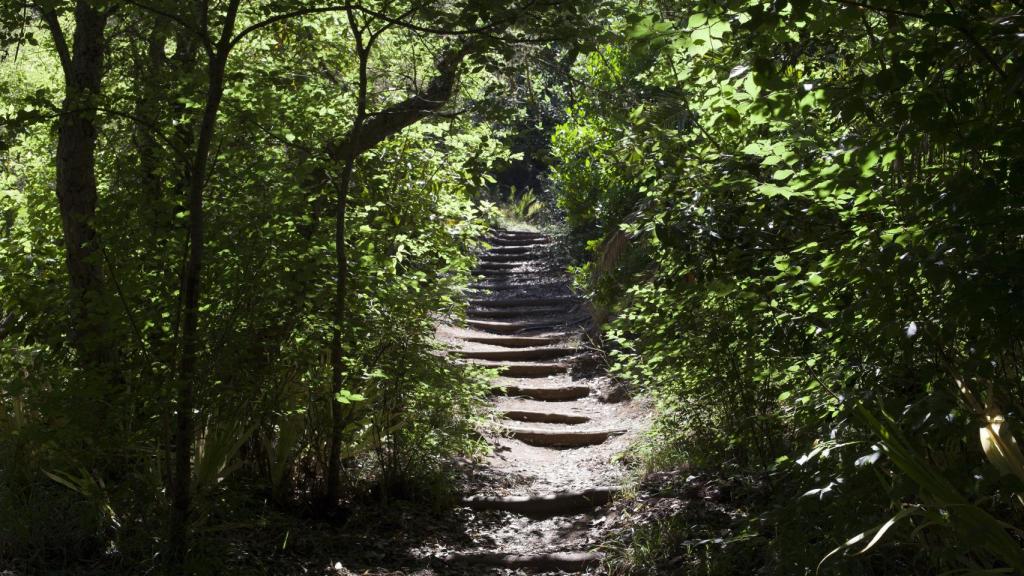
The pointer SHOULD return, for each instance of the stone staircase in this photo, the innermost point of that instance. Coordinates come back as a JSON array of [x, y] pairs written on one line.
[[523, 319]]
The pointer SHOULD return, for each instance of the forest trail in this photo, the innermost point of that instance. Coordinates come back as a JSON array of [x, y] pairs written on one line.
[[560, 422]]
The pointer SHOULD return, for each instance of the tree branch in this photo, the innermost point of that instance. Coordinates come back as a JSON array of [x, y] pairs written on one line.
[[285, 16], [60, 41], [882, 9], [394, 118], [989, 57], [387, 26], [181, 21], [441, 31], [963, 30]]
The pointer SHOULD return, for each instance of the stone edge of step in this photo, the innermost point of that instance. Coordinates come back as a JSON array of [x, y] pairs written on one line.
[[561, 561], [544, 417]]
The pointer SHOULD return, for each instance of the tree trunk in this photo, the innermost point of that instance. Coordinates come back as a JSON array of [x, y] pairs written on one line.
[[364, 135], [76, 186], [191, 289], [151, 88], [341, 284], [184, 422]]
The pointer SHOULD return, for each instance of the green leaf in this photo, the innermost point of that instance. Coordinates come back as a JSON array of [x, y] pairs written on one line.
[[756, 149], [696, 20], [347, 397], [869, 163]]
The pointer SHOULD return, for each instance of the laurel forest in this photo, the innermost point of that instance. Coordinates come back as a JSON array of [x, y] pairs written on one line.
[[478, 287]]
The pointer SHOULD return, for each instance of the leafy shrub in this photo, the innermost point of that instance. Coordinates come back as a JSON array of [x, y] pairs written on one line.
[[817, 286], [86, 461]]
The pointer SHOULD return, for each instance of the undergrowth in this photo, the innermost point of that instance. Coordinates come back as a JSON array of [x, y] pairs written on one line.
[[816, 279]]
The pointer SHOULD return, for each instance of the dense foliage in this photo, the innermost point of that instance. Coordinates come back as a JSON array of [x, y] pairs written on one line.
[[229, 228], [806, 221]]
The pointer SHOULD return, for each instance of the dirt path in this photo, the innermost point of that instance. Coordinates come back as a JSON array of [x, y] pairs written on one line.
[[538, 501]]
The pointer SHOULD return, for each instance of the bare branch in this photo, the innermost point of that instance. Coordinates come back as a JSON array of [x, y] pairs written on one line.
[[60, 41], [392, 119], [185, 24], [440, 31], [963, 30], [286, 16]]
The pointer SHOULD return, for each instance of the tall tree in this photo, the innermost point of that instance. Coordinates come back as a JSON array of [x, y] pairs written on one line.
[[77, 132], [361, 137], [217, 53]]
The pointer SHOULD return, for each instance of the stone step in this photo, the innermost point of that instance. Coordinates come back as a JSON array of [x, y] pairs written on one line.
[[549, 562], [562, 438], [526, 370], [509, 257], [504, 284], [499, 275], [545, 505], [542, 311], [503, 269], [512, 291], [545, 393], [494, 274], [495, 286], [521, 354], [564, 301], [517, 233], [514, 231], [507, 327], [520, 241], [544, 417], [515, 341], [518, 249], [500, 266]]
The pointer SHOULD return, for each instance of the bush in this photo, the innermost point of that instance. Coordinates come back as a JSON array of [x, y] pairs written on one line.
[[815, 287]]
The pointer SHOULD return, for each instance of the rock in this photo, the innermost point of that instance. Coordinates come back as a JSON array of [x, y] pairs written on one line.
[[610, 390], [588, 364]]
